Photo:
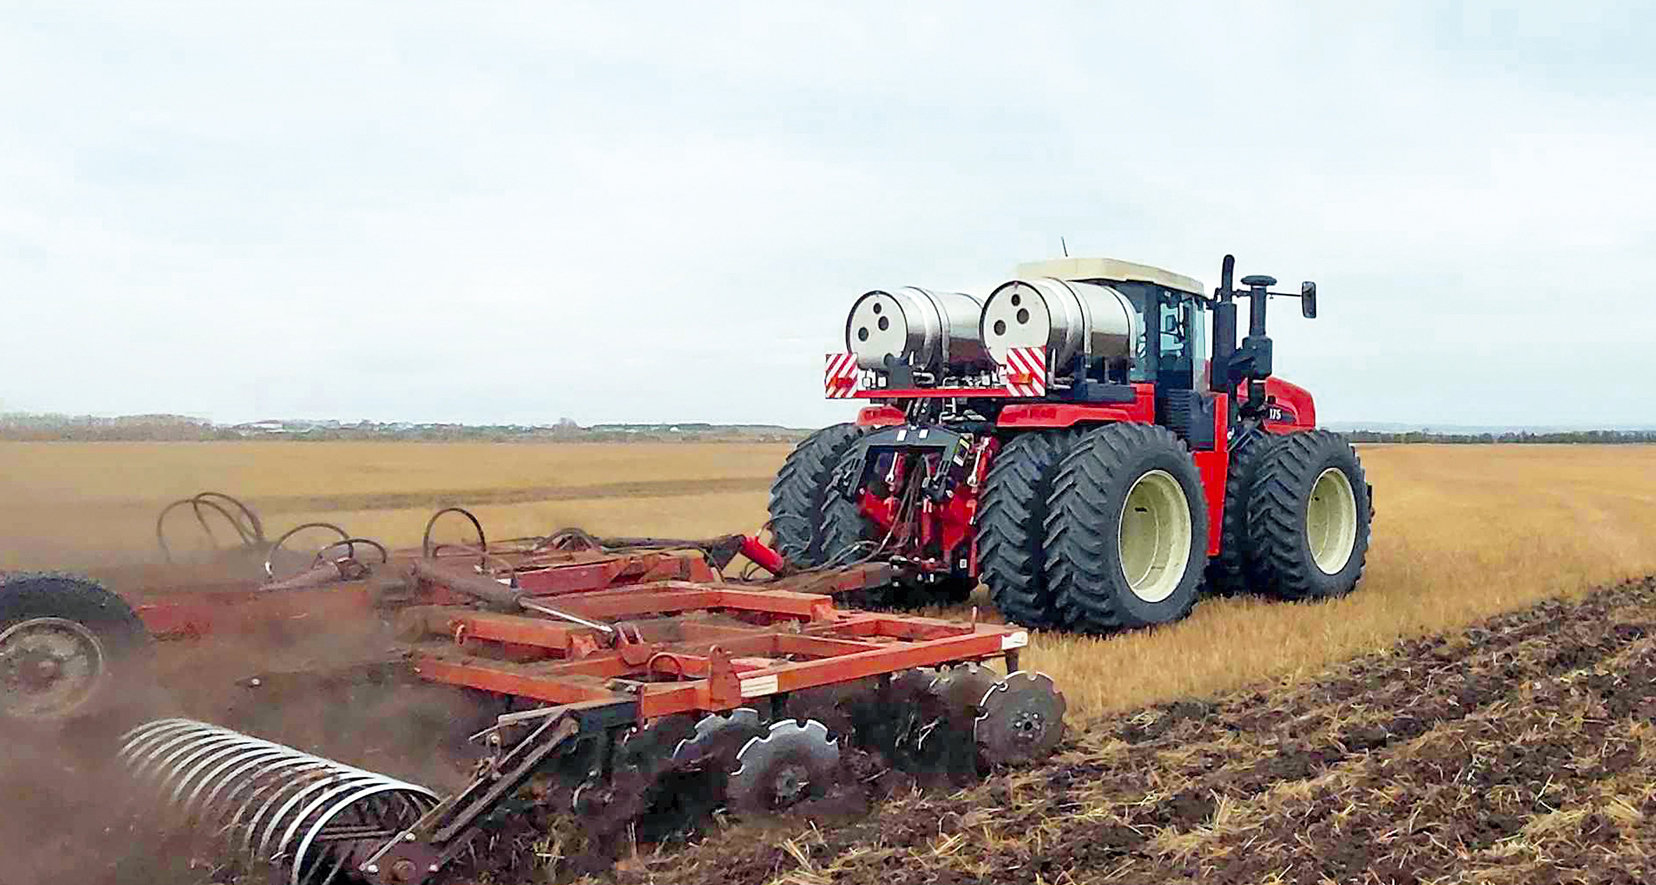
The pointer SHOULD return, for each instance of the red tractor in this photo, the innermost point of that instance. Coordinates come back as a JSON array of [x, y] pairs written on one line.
[[1075, 442]]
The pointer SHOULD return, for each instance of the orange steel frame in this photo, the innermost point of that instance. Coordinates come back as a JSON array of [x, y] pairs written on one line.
[[789, 641], [683, 639]]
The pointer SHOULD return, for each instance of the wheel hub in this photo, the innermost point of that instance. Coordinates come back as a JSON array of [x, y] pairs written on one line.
[[1331, 521], [793, 760], [1021, 718], [789, 784], [49, 667], [1027, 726], [1154, 536], [38, 669]]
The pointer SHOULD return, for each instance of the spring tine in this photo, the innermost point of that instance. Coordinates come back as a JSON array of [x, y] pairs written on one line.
[[163, 746], [270, 804], [328, 787], [206, 770], [137, 732], [249, 759], [183, 750], [338, 807], [148, 738], [302, 773], [269, 783], [150, 759]]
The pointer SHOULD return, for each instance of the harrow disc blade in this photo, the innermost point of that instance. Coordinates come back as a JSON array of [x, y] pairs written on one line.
[[1021, 719], [266, 805], [945, 749], [958, 691], [794, 761], [642, 759], [719, 737]]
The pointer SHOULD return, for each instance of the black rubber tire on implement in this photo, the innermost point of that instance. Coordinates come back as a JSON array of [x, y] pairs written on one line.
[[1011, 526], [800, 493], [125, 643], [1084, 567], [1227, 573], [1280, 559]]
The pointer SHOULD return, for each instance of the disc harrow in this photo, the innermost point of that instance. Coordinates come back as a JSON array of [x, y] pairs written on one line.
[[637, 690]]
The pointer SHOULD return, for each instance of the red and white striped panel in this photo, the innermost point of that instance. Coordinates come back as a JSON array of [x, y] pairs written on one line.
[[840, 375], [1024, 371]]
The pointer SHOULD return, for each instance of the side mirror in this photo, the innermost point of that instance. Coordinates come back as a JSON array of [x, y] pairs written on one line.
[[1308, 299]]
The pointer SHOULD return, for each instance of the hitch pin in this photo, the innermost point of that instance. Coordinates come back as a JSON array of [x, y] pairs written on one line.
[[566, 616]]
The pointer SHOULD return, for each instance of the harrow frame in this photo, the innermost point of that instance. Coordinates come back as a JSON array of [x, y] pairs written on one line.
[[612, 663]]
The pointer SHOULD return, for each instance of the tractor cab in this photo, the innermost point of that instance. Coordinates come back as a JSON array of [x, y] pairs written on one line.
[[1170, 346]]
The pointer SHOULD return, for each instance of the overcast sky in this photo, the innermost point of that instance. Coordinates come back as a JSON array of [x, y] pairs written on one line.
[[662, 211]]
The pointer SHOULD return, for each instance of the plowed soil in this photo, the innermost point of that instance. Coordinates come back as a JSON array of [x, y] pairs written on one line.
[[1521, 749]]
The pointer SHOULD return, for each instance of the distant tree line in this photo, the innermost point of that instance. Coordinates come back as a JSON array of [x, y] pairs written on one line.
[[179, 428], [22, 427], [1599, 437]]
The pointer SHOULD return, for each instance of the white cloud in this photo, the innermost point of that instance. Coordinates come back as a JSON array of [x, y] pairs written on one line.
[[661, 211]]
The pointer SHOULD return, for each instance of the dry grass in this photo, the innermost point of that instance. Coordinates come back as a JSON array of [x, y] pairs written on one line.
[[69, 503], [1461, 532]]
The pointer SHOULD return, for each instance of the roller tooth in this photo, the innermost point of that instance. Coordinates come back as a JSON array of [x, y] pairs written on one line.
[[266, 804]]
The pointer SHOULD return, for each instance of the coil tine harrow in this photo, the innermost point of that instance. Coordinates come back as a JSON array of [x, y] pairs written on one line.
[[269, 805]]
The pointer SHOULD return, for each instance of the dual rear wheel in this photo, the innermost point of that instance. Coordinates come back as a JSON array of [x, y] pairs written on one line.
[[1107, 529], [1094, 531]]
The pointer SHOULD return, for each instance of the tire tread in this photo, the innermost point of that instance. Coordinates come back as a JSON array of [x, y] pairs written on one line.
[[799, 494], [1279, 561], [1079, 560], [1011, 527]]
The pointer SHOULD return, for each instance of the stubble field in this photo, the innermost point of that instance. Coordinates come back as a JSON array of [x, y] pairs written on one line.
[[1461, 532], [1481, 709]]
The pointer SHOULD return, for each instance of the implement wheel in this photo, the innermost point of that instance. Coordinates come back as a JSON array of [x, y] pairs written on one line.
[[63, 642], [1126, 530], [800, 493], [1308, 518], [1012, 527]]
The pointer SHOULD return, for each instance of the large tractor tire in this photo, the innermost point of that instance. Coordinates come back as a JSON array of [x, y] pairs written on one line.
[[1308, 518], [1126, 530], [69, 650], [847, 536], [1011, 527], [800, 494], [1227, 573]]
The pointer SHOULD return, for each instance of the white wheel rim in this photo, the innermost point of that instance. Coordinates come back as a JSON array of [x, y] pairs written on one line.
[[1331, 521], [49, 667], [1153, 538]]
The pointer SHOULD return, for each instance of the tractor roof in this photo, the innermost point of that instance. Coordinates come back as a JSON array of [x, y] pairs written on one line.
[[1110, 269]]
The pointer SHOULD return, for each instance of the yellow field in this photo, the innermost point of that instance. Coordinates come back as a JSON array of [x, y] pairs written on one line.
[[1460, 531]]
